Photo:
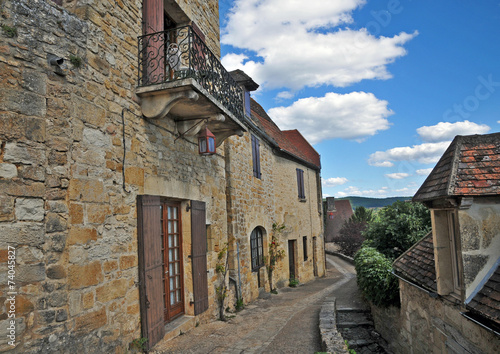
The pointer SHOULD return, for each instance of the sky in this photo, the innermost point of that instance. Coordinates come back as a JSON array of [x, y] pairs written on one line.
[[379, 88]]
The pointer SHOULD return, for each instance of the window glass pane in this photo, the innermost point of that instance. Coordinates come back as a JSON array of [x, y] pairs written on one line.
[[211, 142], [172, 298], [178, 295], [170, 227], [176, 254], [171, 268], [174, 213]]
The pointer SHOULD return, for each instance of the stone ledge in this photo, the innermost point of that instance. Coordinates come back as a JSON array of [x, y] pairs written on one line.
[[331, 339]]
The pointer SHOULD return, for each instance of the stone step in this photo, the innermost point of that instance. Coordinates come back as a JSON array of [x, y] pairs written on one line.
[[179, 326], [355, 324], [359, 343]]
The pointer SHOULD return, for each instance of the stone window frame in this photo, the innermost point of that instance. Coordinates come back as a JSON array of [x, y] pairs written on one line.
[[447, 252], [257, 248]]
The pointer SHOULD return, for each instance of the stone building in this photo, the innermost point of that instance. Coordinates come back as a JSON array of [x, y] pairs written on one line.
[[337, 213], [111, 215], [450, 280]]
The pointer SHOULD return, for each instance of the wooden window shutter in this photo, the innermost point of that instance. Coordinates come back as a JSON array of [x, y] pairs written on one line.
[[149, 244], [152, 16], [199, 256], [256, 157], [300, 183]]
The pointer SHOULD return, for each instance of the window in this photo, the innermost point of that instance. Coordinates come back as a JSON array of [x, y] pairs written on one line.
[[257, 249], [304, 245], [247, 102], [256, 157], [300, 184]]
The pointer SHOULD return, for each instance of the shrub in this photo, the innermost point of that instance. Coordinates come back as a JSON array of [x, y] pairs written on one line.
[[375, 278]]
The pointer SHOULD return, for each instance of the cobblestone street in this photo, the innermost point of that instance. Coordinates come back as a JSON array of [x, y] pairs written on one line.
[[283, 323]]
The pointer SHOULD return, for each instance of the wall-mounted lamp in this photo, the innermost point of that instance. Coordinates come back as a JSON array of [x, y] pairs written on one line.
[[206, 142]]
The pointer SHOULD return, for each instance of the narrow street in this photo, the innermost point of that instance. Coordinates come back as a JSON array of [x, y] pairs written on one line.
[[284, 323]]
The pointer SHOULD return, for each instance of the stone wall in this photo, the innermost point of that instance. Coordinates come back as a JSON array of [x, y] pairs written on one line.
[[263, 201], [430, 325], [68, 193]]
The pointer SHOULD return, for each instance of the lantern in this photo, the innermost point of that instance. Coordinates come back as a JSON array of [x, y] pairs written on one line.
[[206, 142]]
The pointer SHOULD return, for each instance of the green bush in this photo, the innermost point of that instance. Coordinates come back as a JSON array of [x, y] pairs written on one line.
[[397, 227], [375, 278]]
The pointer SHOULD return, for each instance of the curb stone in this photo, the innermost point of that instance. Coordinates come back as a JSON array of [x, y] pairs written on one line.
[[331, 339]]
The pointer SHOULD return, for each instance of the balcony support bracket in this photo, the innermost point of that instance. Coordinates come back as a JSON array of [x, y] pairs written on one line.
[[157, 106]]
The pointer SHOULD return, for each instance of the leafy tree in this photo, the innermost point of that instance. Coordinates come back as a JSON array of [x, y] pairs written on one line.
[[351, 236], [397, 227], [362, 215]]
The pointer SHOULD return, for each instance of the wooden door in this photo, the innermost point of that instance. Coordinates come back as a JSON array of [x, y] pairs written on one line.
[[149, 244], [173, 280], [292, 245]]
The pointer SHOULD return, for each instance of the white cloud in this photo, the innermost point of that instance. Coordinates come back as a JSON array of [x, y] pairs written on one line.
[[334, 181], [355, 191], [353, 116], [424, 172], [445, 131], [424, 153], [398, 175], [304, 46], [285, 95]]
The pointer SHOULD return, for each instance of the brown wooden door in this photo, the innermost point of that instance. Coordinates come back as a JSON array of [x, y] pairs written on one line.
[[291, 258], [199, 256], [149, 244], [173, 280]]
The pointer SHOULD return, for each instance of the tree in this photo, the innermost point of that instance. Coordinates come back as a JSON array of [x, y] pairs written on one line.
[[397, 227], [351, 236]]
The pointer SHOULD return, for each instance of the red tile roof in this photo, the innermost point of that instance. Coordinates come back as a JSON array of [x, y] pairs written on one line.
[[487, 301], [417, 264], [469, 167], [291, 141]]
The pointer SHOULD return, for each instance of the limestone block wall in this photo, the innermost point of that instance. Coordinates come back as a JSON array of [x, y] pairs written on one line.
[[250, 204], [480, 241], [302, 218], [273, 198], [70, 173], [430, 325]]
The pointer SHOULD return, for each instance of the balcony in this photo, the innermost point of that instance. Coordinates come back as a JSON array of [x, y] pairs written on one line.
[[180, 77]]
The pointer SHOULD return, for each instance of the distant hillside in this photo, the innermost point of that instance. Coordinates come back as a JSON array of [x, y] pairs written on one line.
[[372, 202]]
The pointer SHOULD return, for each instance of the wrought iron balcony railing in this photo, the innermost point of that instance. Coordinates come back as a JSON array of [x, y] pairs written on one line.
[[180, 53]]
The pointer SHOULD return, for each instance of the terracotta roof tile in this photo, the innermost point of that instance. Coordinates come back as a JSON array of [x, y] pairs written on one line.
[[469, 167], [417, 264], [290, 141], [487, 301]]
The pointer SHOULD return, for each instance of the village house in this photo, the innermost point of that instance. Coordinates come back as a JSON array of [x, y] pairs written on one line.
[[337, 213], [450, 280], [130, 158]]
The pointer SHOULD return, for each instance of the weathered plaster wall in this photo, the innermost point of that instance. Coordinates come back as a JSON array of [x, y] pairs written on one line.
[[480, 241], [63, 206], [428, 325]]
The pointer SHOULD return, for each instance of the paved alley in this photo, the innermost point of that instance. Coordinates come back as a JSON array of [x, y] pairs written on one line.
[[284, 323]]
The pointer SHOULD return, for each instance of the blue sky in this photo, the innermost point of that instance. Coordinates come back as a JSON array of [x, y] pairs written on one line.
[[379, 87]]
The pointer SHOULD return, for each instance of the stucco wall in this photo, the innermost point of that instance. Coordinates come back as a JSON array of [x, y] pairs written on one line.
[[480, 241], [430, 325]]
